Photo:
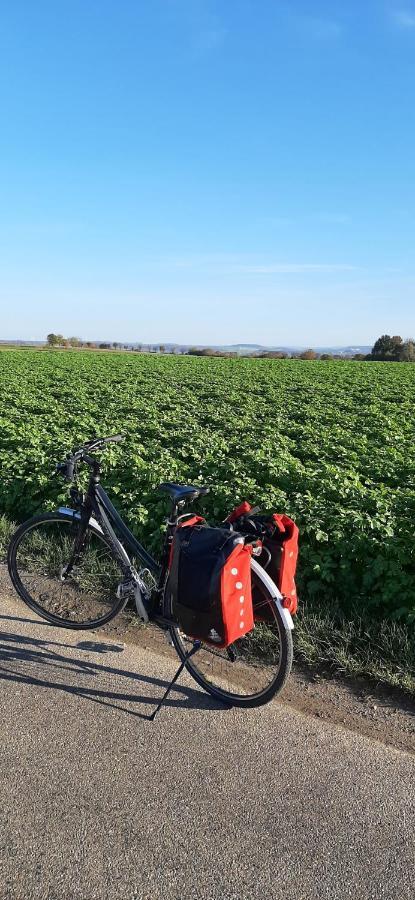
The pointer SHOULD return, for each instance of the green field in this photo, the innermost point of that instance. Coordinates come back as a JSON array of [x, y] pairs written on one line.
[[330, 443]]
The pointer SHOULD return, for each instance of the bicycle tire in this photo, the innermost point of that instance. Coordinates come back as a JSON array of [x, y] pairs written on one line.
[[19, 575], [234, 698]]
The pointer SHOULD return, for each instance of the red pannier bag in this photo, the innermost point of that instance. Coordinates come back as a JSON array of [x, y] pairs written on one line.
[[279, 537], [210, 583]]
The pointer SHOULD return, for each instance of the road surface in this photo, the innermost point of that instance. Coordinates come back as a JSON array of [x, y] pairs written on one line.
[[101, 803]]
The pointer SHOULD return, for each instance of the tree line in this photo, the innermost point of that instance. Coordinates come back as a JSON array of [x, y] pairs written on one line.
[[385, 348], [59, 341]]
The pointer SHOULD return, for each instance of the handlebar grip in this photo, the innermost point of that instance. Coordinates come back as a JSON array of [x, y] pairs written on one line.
[[97, 442]]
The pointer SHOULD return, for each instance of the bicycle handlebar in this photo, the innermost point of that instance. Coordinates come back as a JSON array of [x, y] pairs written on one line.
[[95, 443], [67, 468]]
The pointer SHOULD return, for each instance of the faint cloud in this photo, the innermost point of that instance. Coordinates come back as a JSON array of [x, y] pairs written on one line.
[[404, 18], [323, 218], [202, 260], [209, 39], [322, 29], [279, 221], [294, 268], [232, 264], [202, 28], [42, 229], [314, 27], [332, 218]]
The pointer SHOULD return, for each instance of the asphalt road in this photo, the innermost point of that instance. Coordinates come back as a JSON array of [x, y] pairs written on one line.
[[100, 802]]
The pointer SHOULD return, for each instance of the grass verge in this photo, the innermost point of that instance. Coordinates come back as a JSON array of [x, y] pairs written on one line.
[[6, 530], [356, 645]]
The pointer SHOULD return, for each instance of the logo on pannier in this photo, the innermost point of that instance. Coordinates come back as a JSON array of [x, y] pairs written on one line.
[[214, 636]]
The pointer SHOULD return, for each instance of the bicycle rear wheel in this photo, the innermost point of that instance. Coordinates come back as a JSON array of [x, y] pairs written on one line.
[[255, 668], [38, 553]]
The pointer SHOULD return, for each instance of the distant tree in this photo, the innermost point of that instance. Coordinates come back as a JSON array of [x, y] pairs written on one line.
[[52, 339], [407, 351], [382, 346], [162, 348], [308, 354], [104, 346], [387, 347], [89, 344], [359, 356], [74, 341], [326, 356]]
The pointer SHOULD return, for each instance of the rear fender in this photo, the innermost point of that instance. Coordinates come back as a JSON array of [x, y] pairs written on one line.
[[275, 594]]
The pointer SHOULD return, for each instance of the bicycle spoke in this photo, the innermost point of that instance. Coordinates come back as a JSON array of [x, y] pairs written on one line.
[[254, 665], [89, 591]]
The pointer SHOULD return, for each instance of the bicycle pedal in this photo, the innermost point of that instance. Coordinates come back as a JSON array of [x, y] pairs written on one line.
[[125, 588]]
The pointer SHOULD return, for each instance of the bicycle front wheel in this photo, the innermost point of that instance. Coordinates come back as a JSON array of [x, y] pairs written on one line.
[[253, 669], [86, 597]]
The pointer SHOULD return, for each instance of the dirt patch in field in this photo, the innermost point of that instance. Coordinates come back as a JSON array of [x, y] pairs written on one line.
[[381, 713]]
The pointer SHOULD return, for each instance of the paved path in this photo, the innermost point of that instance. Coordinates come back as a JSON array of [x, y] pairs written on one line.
[[100, 802]]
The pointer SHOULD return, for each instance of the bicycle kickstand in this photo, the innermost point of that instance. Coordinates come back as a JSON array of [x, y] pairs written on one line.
[[196, 646]]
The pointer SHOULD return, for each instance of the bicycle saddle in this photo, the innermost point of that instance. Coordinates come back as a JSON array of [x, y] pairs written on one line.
[[182, 491]]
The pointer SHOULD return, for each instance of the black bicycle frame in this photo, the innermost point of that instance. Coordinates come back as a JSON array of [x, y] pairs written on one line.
[[105, 511], [98, 503]]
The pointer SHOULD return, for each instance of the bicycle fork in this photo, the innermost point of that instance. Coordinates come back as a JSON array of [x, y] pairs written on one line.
[[79, 546]]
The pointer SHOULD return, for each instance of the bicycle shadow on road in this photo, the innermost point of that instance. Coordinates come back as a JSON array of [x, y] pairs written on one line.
[[33, 661]]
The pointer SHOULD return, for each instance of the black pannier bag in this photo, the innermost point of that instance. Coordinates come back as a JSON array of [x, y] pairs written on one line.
[[210, 583]]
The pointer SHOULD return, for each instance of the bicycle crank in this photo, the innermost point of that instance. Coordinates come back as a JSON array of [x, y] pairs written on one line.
[[132, 586]]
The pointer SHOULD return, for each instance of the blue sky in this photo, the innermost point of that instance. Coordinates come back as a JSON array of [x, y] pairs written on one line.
[[205, 171]]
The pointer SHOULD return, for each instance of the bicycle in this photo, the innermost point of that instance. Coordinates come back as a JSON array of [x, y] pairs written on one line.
[[78, 567]]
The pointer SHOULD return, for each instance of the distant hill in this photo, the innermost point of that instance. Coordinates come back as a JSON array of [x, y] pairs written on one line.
[[261, 348], [170, 347]]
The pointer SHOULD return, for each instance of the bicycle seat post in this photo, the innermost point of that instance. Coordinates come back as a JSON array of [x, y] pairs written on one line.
[[174, 511]]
